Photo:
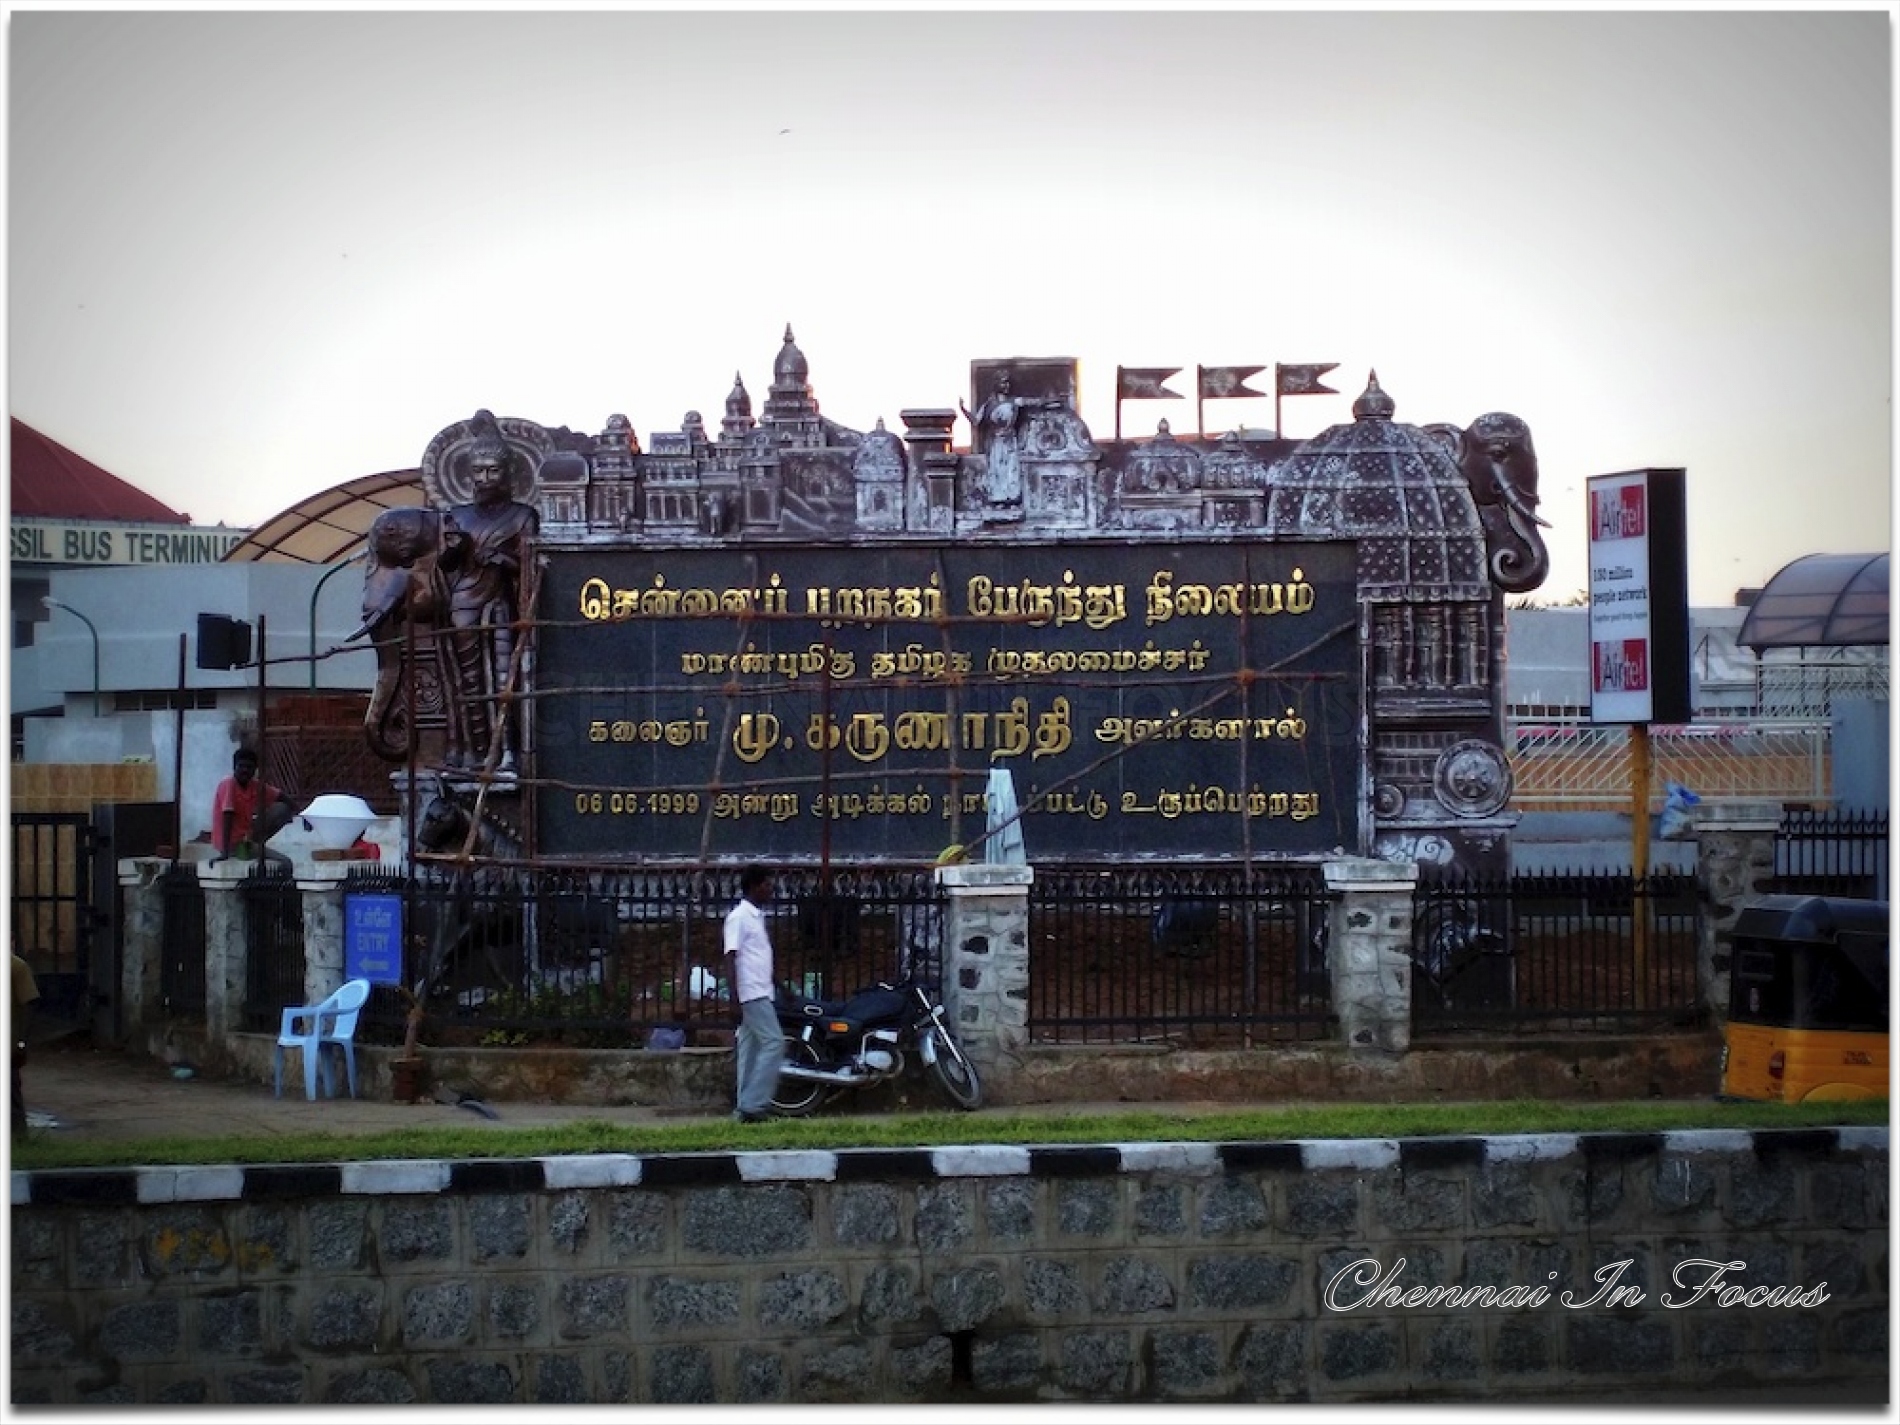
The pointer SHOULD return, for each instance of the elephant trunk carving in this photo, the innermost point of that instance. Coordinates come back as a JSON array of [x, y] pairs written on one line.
[[1519, 562], [385, 723]]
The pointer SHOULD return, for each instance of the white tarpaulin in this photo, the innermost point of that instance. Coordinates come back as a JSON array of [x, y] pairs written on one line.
[[1003, 845]]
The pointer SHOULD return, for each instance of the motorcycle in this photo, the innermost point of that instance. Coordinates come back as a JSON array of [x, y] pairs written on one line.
[[864, 1039]]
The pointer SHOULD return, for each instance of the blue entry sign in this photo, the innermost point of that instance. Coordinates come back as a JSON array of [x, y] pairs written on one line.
[[372, 938]]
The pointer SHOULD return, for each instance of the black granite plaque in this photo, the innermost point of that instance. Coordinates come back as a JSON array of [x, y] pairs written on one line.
[[1168, 699]]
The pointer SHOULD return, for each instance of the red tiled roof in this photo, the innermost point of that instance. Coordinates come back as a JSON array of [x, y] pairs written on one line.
[[50, 482]]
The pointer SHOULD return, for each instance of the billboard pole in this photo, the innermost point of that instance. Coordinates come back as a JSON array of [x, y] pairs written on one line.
[[1639, 859], [1639, 642]]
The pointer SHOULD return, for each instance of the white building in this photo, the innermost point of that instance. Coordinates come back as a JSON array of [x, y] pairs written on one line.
[[107, 587]]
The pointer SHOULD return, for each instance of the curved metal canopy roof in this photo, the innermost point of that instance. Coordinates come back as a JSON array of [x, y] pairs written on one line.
[[329, 526], [1821, 601]]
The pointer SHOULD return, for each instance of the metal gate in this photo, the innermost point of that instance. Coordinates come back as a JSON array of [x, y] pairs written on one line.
[[56, 919], [181, 975]]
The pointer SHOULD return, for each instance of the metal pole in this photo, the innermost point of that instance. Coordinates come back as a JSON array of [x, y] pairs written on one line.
[[48, 601], [1639, 857], [332, 570], [95, 664], [263, 767], [824, 777], [1249, 905], [178, 758]]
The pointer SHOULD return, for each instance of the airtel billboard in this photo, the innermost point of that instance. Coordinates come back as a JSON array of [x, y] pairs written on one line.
[[1639, 598]]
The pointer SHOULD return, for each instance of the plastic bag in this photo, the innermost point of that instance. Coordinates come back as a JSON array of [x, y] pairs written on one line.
[[1678, 815]]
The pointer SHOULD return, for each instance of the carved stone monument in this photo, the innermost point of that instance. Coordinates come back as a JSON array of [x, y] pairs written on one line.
[[1222, 647]]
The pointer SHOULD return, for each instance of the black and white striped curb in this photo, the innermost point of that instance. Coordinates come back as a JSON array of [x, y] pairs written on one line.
[[122, 1187]]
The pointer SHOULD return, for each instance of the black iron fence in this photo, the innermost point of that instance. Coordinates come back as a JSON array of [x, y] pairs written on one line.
[[1211, 957], [600, 959], [1554, 951], [1203, 957], [273, 945], [1831, 853]]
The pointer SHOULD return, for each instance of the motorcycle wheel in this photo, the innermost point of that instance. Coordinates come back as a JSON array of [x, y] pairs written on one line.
[[794, 1098], [953, 1073]]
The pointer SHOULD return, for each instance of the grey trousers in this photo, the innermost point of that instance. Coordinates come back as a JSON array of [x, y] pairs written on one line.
[[760, 1046]]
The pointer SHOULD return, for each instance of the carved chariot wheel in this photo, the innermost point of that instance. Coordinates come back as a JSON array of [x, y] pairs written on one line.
[[1472, 778]]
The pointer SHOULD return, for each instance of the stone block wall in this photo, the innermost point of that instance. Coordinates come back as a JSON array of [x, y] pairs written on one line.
[[1323, 1271], [1735, 857]]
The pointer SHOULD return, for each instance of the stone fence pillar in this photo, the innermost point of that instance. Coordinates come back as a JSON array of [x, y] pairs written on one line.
[[1735, 855], [227, 959], [322, 884], [142, 924], [986, 964], [1369, 950]]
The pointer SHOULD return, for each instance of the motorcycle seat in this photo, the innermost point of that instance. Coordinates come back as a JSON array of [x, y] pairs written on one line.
[[792, 1004], [869, 1006]]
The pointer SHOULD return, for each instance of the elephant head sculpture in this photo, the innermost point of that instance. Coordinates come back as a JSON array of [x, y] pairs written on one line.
[[1498, 462]]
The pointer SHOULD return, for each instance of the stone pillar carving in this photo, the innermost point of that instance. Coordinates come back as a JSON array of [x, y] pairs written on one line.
[[322, 885], [142, 922], [986, 965], [931, 486], [1735, 855], [227, 961], [1370, 951]]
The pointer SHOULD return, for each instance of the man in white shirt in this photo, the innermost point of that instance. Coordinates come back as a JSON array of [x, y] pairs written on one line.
[[760, 1044]]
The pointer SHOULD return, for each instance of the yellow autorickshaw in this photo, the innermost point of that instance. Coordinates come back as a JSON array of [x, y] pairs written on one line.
[[1807, 1000]]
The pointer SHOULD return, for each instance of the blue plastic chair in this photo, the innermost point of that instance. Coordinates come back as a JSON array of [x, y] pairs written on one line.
[[333, 1021]]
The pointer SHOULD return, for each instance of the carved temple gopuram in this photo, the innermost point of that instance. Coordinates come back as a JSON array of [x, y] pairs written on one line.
[[784, 637]]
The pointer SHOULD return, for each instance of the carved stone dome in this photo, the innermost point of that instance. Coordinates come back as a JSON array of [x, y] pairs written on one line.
[[1164, 465], [1398, 491], [1229, 466], [790, 367], [880, 455]]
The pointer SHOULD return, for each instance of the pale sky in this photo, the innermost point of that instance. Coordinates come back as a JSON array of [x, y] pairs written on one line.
[[254, 254]]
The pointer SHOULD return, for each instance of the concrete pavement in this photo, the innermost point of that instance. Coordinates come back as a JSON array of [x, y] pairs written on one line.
[[106, 1095]]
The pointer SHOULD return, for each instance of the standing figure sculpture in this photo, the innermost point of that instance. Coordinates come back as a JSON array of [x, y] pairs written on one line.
[[484, 549], [1001, 418], [446, 589]]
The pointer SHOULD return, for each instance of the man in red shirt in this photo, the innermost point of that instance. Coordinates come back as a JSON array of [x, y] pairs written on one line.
[[247, 809]]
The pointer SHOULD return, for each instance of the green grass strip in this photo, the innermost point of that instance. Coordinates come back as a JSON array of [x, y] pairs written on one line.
[[44, 1150]]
